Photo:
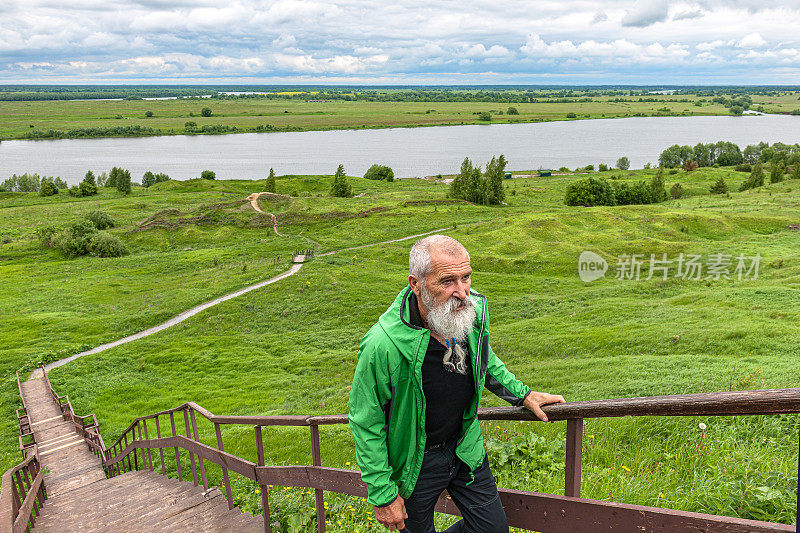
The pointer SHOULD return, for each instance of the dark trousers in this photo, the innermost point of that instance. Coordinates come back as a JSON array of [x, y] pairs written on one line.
[[478, 502]]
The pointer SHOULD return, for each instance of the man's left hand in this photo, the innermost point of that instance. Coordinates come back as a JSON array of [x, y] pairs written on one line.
[[535, 400]]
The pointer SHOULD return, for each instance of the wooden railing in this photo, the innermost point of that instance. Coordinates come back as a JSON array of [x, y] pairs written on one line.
[[176, 429], [22, 492]]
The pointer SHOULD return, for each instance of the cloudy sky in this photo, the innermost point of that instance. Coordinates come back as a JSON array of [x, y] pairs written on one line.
[[401, 42]]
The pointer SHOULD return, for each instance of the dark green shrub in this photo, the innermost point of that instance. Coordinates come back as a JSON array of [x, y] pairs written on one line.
[[590, 168], [6, 239], [676, 191], [270, 185], [87, 188], [512, 111], [148, 114], [74, 239], [719, 187], [379, 172], [623, 194], [602, 167], [48, 189], [572, 115], [208, 175], [776, 172], [484, 115], [104, 244], [589, 192], [205, 112], [641, 194], [75, 191], [623, 163], [744, 167], [100, 219]]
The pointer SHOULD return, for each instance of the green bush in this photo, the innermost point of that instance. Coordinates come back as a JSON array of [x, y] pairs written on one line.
[[75, 191], [46, 235], [100, 219], [205, 112], [512, 111], [572, 115], [676, 191], [484, 115], [104, 244], [602, 167], [208, 175], [379, 172], [623, 163], [74, 239], [776, 172], [87, 188], [744, 167], [589, 192], [756, 178], [48, 189], [340, 187]]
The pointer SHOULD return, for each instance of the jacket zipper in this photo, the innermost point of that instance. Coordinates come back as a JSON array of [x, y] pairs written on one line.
[[477, 362]]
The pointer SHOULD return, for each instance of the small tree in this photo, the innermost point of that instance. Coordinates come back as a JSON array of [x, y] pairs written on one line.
[[756, 178], [776, 172], [87, 188], [602, 167], [123, 181], [102, 179], [89, 178], [719, 187], [512, 111], [205, 112], [148, 114], [676, 191], [208, 175], [795, 175], [148, 179], [690, 166], [112, 177], [484, 115], [658, 190], [623, 163], [270, 186], [495, 172], [340, 187]]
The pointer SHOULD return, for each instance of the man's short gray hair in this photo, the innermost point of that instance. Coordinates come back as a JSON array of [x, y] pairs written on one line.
[[419, 259]]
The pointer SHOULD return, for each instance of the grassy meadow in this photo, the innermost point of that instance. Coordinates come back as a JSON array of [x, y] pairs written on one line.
[[170, 116], [289, 348]]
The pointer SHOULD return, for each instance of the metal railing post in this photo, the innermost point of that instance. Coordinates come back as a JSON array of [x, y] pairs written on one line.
[[225, 477], [263, 488], [316, 459], [572, 470]]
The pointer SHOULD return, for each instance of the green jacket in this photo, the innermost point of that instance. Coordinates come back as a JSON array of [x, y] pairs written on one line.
[[387, 405]]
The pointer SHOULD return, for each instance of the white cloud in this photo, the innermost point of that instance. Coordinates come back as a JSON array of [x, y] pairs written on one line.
[[600, 16], [752, 40], [705, 46]]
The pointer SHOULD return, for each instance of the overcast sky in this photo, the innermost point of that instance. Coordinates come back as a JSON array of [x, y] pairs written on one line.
[[402, 42]]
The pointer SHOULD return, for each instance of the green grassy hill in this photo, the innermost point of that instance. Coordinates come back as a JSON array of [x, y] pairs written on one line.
[[289, 348]]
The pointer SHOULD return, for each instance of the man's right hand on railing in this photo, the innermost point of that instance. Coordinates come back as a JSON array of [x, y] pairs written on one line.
[[393, 515]]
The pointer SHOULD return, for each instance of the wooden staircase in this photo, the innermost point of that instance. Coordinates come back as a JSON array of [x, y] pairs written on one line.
[[81, 498]]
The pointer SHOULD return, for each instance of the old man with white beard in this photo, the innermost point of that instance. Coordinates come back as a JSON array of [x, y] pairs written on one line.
[[419, 379]]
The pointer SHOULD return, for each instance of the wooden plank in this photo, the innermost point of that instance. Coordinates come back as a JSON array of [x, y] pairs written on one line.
[[263, 488]]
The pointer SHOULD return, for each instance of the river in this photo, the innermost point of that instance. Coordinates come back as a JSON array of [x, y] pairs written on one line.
[[409, 151]]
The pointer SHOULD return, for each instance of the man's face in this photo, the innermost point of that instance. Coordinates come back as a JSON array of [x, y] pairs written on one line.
[[451, 276]]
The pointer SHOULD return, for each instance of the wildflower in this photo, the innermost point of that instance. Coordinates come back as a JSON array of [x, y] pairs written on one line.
[[347, 463], [660, 494], [702, 426], [626, 468]]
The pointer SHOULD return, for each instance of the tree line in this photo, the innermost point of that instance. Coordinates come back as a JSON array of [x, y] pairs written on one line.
[[724, 153]]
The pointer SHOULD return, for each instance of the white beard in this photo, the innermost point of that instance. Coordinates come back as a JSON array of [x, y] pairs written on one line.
[[454, 326]]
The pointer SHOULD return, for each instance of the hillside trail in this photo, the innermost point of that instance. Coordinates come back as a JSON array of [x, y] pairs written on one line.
[[177, 319], [254, 202]]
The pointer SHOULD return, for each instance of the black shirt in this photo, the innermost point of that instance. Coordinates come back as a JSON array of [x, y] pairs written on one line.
[[447, 393]]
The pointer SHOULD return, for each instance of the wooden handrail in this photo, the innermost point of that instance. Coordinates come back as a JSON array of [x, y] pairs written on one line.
[[560, 513]]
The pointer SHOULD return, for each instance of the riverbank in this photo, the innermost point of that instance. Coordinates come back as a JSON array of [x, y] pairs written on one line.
[[113, 118]]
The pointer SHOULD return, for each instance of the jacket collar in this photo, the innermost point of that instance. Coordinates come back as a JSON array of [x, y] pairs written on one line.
[[396, 323]]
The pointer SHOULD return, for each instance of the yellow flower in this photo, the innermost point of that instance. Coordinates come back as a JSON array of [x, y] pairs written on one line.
[[347, 463], [626, 468]]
